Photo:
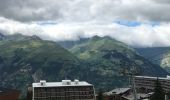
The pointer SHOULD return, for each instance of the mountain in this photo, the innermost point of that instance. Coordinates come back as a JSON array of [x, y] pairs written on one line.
[[101, 61], [108, 56], [2, 36], [27, 60], [157, 55], [96, 46], [70, 44], [17, 37]]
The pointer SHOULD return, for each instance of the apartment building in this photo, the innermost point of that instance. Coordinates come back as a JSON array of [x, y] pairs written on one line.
[[147, 84], [65, 90]]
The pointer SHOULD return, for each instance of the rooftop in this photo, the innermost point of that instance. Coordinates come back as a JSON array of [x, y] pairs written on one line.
[[164, 78], [43, 83], [5, 90], [117, 91], [140, 96]]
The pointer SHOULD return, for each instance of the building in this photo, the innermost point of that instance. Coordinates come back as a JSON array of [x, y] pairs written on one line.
[[9, 94], [117, 94], [125, 94], [65, 90], [147, 84]]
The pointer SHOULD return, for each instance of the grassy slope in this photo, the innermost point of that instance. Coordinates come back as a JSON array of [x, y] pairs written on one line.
[[23, 61], [95, 47], [26, 61], [109, 56]]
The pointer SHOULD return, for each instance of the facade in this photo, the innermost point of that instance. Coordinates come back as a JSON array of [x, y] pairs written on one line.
[[147, 84], [65, 90], [8, 94]]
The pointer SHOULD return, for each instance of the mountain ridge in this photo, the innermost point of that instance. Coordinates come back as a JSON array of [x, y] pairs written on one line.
[[99, 60], [108, 49], [157, 55]]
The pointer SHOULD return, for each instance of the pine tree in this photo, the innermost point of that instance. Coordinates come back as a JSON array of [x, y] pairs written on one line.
[[100, 95], [158, 92]]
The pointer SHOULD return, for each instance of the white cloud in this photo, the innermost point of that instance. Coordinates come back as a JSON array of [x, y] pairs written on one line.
[[86, 18], [143, 35], [85, 10]]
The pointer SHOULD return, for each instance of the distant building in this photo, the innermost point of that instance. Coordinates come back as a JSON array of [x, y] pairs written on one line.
[[9, 94], [117, 94], [147, 84], [65, 90], [125, 94]]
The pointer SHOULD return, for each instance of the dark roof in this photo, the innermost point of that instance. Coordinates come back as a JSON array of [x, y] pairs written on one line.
[[6, 90], [117, 91]]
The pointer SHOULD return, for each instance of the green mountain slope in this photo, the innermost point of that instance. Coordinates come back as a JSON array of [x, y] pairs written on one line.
[[70, 44], [23, 61], [100, 61], [111, 56], [98, 46], [157, 55]]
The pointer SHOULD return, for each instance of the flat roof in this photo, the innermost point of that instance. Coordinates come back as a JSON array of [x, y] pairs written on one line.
[[164, 78], [60, 84]]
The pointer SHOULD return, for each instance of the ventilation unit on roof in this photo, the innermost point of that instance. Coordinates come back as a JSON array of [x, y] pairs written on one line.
[[66, 82], [42, 82], [76, 82]]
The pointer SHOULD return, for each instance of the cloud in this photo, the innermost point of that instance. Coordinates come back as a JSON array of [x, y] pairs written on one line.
[[143, 35], [135, 22], [85, 10], [162, 1]]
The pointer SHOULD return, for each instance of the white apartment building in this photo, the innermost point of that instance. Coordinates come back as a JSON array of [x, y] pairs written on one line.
[[65, 90]]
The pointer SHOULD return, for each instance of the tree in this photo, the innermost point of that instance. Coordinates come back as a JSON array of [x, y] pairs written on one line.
[[168, 95], [158, 92], [100, 95]]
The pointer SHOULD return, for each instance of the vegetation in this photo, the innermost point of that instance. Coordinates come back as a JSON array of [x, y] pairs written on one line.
[[112, 55], [99, 60], [29, 60], [100, 95], [158, 55]]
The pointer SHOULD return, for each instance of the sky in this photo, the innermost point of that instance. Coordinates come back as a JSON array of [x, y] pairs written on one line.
[[138, 23]]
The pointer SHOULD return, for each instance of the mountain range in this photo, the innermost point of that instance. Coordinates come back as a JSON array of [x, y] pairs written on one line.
[[102, 61], [157, 55]]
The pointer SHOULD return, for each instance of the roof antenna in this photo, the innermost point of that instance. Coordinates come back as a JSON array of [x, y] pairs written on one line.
[[65, 77], [77, 77]]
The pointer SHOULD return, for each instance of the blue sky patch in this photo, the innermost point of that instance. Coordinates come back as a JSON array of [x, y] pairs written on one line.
[[136, 23], [44, 23], [128, 23]]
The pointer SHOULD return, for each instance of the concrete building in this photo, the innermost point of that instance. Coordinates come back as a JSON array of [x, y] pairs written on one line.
[[147, 84], [65, 90]]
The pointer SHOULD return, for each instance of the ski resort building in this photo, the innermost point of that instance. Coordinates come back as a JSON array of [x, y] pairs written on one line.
[[65, 90], [147, 84]]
